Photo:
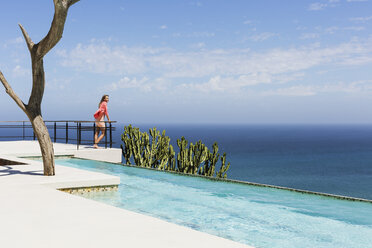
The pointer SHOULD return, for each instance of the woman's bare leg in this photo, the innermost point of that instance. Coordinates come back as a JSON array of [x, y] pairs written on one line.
[[102, 135], [96, 137]]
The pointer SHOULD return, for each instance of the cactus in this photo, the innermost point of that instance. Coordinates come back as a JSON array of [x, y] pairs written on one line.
[[162, 151], [153, 148], [222, 172], [127, 149], [171, 159], [137, 143], [182, 154], [146, 151], [156, 152], [200, 155], [210, 164]]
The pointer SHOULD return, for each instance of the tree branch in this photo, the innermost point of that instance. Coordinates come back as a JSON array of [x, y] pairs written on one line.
[[28, 40], [11, 93], [56, 29], [71, 2]]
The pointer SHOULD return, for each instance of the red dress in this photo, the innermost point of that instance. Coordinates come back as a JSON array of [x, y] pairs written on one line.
[[102, 110]]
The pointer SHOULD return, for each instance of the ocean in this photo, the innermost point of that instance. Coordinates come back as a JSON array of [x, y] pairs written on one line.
[[335, 159]]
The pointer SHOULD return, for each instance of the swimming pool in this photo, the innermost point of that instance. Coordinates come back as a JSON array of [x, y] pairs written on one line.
[[257, 216]]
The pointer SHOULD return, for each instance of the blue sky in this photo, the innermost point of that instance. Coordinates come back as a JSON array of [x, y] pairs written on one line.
[[212, 61]]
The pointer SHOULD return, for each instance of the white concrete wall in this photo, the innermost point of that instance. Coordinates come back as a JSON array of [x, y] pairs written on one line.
[[112, 155]]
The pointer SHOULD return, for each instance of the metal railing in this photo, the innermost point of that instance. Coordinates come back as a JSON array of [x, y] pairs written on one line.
[[72, 131]]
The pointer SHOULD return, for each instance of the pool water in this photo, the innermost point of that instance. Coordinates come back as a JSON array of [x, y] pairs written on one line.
[[257, 216]]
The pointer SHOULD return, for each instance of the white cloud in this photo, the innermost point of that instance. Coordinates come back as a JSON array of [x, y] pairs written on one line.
[[229, 84], [57, 83], [355, 28], [201, 34], [305, 36], [197, 4], [361, 19], [163, 27], [331, 30], [101, 58], [356, 0], [262, 36], [235, 84], [15, 41], [237, 68], [311, 90], [321, 31], [317, 6], [144, 84], [321, 6], [199, 45], [204, 34], [361, 60], [127, 83], [292, 91], [19, 71]]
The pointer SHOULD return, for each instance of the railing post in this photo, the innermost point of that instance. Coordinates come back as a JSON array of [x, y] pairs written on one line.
[[110, 135], [23, 129], [55, 132], [66, 132], [94, 132], [77, 135], [105, 137]]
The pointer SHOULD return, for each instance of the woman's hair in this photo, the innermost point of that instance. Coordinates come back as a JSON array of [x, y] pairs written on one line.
[[102, 99]]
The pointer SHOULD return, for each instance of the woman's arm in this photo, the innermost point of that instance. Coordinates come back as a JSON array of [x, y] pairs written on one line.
[[108, 118], [104, 105]]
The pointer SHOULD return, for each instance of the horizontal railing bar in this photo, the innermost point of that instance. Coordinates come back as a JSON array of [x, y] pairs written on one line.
[[49, 126], [11, 136], [20, 136], [14, 126], [75, 121], [92, 143], [20, 125], [12, 121], [95, 121]]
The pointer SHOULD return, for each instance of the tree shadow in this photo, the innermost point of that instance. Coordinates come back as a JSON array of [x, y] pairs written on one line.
[[11, 171]]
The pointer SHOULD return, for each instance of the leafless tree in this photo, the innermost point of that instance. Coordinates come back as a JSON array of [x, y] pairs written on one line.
[[33, 107]]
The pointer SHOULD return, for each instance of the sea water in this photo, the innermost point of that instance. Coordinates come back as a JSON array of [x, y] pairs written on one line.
[[335, 159], [257, 216]]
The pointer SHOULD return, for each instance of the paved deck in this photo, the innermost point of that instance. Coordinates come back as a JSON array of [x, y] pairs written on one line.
[[34, 214]]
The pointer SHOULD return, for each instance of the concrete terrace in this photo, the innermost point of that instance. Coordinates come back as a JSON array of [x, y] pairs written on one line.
[[33, 213]]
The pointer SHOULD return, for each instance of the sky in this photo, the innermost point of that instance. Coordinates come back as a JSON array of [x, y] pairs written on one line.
[[197, 62]]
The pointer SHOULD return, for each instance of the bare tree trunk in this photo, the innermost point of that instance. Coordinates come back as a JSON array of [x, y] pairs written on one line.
[[33, 108], [46, 145]]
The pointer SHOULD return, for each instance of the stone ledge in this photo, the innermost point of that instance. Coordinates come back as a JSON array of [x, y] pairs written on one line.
[[84, 190]]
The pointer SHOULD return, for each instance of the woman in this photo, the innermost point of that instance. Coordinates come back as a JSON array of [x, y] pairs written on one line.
[[99, 115]]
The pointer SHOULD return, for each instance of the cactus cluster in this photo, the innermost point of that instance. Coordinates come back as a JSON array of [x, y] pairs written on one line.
[[155, 151]]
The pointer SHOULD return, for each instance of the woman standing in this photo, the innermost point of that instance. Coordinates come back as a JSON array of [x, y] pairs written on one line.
[[99, 116]]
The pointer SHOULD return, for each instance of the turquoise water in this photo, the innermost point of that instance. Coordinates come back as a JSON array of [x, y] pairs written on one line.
[[257, 216]]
